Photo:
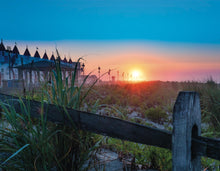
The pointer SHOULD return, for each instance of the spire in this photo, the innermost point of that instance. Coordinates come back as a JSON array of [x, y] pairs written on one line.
[[70, 61], [37, 55], [2, 47], [27, 53], [52, 57], [15, 49], [45, 55], [65, 60]]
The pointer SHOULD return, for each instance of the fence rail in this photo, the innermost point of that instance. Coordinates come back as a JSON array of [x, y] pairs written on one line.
[[185, 141]]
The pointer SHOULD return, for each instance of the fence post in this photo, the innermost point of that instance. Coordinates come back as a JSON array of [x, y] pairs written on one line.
[[186, 124]]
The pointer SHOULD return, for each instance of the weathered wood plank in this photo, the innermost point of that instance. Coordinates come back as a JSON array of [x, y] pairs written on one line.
[[115, 127], [208, 147], [118, 128], [103, 125]]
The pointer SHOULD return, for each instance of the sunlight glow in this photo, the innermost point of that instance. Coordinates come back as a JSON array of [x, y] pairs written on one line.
[[135, 75]]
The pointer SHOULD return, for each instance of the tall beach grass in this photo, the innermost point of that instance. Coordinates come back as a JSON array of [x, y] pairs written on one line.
[[36, 144]]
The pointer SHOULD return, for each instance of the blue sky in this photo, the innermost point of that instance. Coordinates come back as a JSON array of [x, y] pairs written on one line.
[[193, 21], [165, 39]]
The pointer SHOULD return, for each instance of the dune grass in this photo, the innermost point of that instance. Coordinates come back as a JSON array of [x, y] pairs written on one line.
[[210, 104], [35, 144]]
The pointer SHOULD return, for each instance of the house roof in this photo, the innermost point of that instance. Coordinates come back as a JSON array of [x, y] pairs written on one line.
[[37, 55], [2, 47], [45, 55], [70, 61], [52, 57], [65, 60], [27, 53], [15, 50]]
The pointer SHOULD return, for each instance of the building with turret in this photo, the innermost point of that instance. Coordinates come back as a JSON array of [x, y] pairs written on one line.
[[25, 70]]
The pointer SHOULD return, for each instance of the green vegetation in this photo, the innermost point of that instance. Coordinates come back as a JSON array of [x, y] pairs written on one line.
[[210, 104], [144, 94], [36, 144], [156, 115], [147, 156], [154, 101], [210, 110]]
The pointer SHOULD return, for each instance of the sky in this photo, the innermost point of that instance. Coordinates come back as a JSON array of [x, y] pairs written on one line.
[[164, 40]]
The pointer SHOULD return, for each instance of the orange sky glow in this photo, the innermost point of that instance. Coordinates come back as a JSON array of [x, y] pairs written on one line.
[[153, 60]]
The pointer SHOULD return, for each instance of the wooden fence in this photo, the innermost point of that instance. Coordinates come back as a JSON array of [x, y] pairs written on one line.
[[185, 141]]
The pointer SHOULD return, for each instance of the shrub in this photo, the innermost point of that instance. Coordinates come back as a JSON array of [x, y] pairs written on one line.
[[156, 115]]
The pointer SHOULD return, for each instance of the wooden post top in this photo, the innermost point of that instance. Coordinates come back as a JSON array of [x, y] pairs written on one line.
[[186, 123]]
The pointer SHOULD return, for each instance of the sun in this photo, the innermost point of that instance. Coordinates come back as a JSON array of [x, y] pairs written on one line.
[[135, 75]]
